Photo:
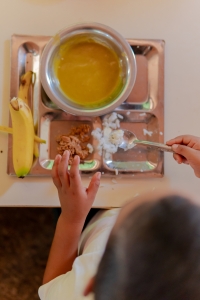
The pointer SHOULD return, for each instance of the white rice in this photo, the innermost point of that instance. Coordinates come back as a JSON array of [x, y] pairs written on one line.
[[120, 116], [90, 148], [116, 172], [110, 137], [116, 137], [97, 134], [146, 132]]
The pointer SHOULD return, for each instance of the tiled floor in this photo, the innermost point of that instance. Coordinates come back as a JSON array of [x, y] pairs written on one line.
[[25, 239]]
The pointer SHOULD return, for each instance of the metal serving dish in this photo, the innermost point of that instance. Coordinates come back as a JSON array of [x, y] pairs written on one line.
[[143, 112], [101, 34]]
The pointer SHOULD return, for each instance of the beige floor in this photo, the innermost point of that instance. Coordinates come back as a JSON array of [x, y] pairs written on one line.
[[25, 238]]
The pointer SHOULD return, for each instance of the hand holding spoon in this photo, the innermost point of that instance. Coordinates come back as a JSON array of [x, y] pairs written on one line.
[[130, 139]]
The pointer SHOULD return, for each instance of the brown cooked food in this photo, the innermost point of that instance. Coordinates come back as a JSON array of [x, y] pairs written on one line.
[[74, 142]]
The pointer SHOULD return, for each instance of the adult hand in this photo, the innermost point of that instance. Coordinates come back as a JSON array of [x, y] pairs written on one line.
[[187, 150], [75, 199]]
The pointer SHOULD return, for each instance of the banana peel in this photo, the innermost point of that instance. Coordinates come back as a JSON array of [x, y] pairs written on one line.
[[6, 129], [36, 150], [26, 81], [9, 130]]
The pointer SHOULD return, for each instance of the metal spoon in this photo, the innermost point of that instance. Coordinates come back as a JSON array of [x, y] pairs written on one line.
[[129, 139]]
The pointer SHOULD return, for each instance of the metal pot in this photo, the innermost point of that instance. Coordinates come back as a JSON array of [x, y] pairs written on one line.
[[107, 36]]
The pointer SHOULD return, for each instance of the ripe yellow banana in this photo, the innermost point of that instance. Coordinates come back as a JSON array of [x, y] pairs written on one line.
[[23, 136], [26, 81], [6, 129]]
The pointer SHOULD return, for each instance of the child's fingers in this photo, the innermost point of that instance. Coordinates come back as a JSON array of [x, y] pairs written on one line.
[[171, 142], [94, 185], [188, 140], [180, 159], [63, 169], [75, 178], [176, 140], [54, 173]]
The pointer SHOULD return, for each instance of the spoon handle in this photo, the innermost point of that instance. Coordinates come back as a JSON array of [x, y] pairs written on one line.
[[158, 146]]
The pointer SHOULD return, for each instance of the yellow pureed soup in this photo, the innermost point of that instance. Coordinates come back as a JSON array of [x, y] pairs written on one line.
[[88, 71]]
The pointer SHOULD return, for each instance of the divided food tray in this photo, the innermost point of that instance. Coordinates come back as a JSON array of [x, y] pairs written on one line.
[[142, 112]]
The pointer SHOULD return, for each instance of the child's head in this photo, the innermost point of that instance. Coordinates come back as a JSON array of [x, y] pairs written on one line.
[[153, 252]]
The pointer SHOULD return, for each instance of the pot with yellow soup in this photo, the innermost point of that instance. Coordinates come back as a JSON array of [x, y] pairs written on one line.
[[88, 69]]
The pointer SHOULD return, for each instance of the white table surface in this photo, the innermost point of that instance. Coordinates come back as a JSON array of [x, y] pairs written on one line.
[[176, 22]]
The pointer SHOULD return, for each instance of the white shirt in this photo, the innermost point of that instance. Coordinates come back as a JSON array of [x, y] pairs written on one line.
[[70, 286]]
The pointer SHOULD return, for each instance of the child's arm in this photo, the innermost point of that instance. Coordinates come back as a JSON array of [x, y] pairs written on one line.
[[76, 202]]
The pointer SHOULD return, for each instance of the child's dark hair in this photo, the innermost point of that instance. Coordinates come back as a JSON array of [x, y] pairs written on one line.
[[154, 255]]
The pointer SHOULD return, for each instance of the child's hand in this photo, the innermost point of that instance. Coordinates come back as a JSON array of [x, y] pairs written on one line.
[[187, 150], [75, 199]]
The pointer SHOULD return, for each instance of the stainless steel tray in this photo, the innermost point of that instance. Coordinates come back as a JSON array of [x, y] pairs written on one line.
[[143, 112]]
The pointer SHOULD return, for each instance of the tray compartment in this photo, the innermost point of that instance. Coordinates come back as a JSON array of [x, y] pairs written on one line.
[[147, 92], [140, 159], [54, 124], [140, 91]]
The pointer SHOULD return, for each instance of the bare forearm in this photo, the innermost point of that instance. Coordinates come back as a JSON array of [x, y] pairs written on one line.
[[76, 201], [63, 250]]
